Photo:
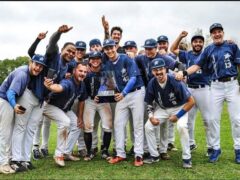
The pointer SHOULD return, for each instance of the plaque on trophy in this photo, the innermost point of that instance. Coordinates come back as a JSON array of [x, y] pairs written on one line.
[[107, 87]]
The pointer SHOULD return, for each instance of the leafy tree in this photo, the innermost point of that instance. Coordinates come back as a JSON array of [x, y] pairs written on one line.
[[8, 65]]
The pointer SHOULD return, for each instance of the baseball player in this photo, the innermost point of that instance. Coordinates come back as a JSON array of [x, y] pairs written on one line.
[[144, 64], [44, 123], [221, 60], [58, 108], [198, 84], [163, 45], [130, 96], [30, 93], [80, 56], [173, 102], [92, 106], [116, 34], [14, 87]]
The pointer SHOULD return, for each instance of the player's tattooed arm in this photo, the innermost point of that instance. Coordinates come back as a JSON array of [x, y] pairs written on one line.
[[153, 120]]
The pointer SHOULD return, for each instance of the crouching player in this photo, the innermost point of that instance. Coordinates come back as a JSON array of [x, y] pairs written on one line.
[[173, 102]]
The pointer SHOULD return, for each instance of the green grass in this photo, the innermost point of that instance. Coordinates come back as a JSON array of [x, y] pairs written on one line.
[[225, 168]]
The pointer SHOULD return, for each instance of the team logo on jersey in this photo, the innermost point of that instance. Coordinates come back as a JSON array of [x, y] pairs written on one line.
[[124, 75], [227, 60], [172, 98]]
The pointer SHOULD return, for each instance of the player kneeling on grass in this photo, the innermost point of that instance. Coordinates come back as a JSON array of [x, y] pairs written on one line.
[[173, 102], [92, 106], [58, 108]]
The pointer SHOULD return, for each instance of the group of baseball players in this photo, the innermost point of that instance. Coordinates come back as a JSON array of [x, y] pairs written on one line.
[[152, 89]]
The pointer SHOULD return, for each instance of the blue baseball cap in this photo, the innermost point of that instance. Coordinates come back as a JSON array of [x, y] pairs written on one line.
[[81, 45], [214, 26], [130, 44], [108, 42], [197, 36], [157, 63], [95, 54], [162, 38], [150, 43], [94, 42], [39, 59]]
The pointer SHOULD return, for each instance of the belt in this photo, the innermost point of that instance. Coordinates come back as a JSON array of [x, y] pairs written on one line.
[[196, 86], [225, 79], [138, 88]]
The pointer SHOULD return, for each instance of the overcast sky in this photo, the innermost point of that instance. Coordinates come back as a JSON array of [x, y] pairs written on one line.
[[20, 22]]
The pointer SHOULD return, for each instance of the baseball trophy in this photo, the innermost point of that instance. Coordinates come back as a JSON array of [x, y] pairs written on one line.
[[107, 88]]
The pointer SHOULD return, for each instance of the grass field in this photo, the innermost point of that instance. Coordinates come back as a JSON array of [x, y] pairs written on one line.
[[225, 168]]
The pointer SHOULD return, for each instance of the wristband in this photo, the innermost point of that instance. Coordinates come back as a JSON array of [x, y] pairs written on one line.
[[185, 73], [181, 113]]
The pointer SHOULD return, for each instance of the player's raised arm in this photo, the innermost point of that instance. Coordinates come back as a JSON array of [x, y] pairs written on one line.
[[105, 25], [175, 46]]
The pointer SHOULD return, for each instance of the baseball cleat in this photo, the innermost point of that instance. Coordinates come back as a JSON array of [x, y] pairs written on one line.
[[187, 163], [193, 147], [215, 155], [69, 157], [138, 161], [28, 165], [151, 159], [82, 153], [17, 166], [105, 155], [209, 152], [36, 154], [59, 160], [171, 147], [237, 156], [6, 169], [44, 152], [88, 157], [164, 156], [116, 159]]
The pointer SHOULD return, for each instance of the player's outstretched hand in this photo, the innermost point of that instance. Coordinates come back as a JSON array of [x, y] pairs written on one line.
[[154, 121], [47, 83], [173, 118], [183, 34], [18, 110], [64, 29], [42, 35], [105, 23], [118, 97]]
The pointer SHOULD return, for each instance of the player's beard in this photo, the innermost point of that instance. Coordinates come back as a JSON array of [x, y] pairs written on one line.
[[197, 50]]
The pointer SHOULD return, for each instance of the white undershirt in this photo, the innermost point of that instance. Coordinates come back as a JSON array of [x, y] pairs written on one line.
[[162, 84]]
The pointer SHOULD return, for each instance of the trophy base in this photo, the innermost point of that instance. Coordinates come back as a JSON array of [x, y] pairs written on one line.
[[106, 99]]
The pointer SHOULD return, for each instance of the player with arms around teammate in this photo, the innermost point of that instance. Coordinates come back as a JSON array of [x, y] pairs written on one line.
[[92, 106], [173, 102], [198, 84], [130, 96], [222, 60], [58, 108]]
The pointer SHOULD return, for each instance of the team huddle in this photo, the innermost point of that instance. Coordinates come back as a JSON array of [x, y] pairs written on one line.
[[152, 89]]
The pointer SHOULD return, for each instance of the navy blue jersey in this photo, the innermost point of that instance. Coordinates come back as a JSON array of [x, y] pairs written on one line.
[[220, 60], [124, 68], [71, 91], [17, 81], [174, 94], [144, 65], [189, 58], [172, 55]]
